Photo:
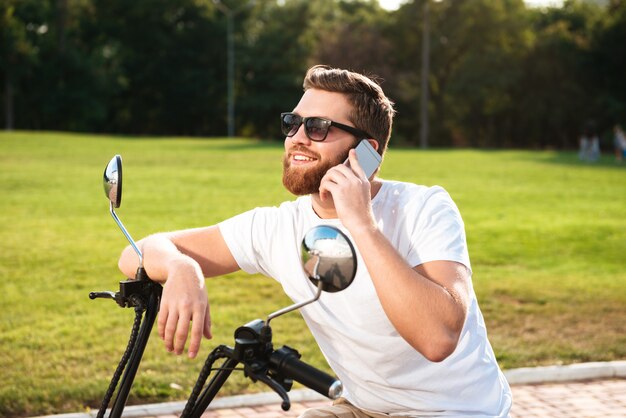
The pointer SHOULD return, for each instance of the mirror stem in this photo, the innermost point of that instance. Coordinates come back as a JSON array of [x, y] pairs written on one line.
[[126, 234], [295, 306]]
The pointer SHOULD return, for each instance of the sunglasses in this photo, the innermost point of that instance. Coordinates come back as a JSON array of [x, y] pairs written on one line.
[[315, 128]]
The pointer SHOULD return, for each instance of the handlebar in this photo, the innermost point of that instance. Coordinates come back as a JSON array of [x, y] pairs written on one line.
[[286, 362], [275, 368]]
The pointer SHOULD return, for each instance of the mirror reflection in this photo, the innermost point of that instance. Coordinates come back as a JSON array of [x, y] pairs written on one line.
[[328, 255], [112, 181]]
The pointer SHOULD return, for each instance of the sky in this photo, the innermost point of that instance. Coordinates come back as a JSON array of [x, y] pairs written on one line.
[[394, 4]]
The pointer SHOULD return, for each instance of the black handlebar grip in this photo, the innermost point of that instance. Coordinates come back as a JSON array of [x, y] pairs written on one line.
[[287, 363]]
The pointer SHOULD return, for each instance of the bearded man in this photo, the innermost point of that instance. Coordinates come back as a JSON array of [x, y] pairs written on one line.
[[407, 338]]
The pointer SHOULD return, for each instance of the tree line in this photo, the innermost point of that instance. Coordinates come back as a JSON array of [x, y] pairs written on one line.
[[500, 75]]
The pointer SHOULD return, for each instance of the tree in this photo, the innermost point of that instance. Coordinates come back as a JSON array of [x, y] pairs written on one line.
[[500, 74], [476, 48], [273, 58], [22, 23], [353, 35], [608, 65], [557, 72], [167, 58]]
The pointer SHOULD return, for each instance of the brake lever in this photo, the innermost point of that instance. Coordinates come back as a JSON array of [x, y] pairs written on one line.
[[105, 295], [116, 296], [122, 301], [274, 385]]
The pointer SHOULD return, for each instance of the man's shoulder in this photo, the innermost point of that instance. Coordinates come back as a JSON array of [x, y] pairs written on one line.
[[406, 191], [288, 205], [290, 209], [299, 204]]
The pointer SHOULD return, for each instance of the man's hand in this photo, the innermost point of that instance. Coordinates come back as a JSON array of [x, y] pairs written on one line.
[[350, 191], [184, 301], [180, 260]]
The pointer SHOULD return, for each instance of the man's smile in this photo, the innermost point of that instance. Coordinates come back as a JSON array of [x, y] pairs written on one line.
[[301, 158]]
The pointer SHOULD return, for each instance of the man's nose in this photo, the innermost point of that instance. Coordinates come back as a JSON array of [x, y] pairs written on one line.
[[300, 136]]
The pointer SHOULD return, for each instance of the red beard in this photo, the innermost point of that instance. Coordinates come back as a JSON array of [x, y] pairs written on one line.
[[304, 181]]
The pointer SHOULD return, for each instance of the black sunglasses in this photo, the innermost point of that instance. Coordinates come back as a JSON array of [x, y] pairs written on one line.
[[315, 128]]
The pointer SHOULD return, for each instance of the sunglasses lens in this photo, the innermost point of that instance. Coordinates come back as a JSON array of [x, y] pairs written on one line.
[[290, 123], [316, 128]]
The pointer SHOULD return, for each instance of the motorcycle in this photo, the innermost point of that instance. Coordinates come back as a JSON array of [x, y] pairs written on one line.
[[329, 261]]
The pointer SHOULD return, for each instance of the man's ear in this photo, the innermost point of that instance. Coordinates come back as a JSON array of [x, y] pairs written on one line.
[[373, 143]]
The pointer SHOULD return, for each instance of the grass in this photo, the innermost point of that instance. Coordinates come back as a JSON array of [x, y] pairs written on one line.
[[547, 238]]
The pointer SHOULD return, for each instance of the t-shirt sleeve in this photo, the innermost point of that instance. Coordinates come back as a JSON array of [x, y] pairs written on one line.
[[245, 234], [438, 232]]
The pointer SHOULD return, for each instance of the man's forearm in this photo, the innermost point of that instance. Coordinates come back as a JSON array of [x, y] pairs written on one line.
[[157, 251], [204, 246]]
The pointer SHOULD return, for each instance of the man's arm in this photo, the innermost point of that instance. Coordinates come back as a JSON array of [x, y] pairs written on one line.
[[427, 304], [182, 260], [204, 245]]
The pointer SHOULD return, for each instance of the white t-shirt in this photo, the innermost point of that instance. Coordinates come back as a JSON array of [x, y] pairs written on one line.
[[380, 371]]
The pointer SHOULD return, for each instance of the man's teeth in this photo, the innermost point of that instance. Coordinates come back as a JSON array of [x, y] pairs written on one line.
[[302, 158]]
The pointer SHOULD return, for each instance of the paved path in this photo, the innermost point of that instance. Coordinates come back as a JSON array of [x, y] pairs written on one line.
[[577, 391], [599, 398], [594, 398]]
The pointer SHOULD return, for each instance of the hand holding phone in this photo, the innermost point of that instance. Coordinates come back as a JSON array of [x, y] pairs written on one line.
[[369, 159]]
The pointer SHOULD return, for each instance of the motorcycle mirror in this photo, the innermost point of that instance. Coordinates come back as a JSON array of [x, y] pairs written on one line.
[[329, 261], [328, 257], [113, 181]]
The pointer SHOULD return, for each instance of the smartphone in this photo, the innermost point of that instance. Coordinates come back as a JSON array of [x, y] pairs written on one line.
[[369, 159]]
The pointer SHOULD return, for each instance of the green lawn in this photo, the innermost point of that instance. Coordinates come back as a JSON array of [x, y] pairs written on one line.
[[547, 237]]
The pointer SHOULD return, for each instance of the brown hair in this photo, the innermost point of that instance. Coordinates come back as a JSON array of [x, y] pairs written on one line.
[[372, 111]]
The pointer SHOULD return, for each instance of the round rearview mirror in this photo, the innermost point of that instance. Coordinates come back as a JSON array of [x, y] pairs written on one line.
[[328, 256], [113, 181]]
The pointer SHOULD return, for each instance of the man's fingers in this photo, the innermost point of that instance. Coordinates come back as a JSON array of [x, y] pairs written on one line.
[[326, 188], [162, 320], [170, 330], [338, 176], [354, 164], [196, 333], [182, 330], [183, 309], [334, 175]]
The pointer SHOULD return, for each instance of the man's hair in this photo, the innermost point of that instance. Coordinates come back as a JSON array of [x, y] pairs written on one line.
[[372, 111]]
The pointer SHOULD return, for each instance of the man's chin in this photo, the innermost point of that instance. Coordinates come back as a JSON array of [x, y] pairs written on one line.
[[300, 181], [305, 179], [298, 187]]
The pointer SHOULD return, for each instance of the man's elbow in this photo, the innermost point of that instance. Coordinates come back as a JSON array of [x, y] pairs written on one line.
[[443, 343], [438, 351], [440, 345]]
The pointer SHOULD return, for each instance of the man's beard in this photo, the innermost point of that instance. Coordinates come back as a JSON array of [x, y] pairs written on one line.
[[303, 181]]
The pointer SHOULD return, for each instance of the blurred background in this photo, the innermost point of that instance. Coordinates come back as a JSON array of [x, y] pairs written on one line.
[[477, 73]]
